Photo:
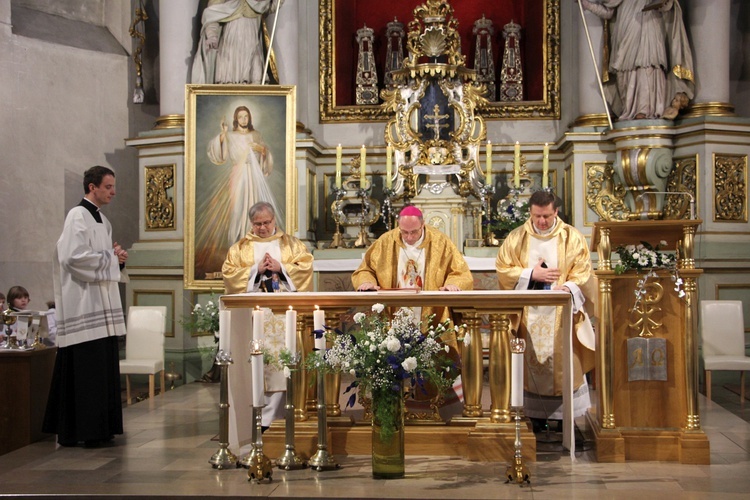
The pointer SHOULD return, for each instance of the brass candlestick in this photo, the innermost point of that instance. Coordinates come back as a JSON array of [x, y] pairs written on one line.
[[223, 457], [363, 241], [290, 460], [259, 466], [338, 216], [517, 471], [322, 460], [489, 238]]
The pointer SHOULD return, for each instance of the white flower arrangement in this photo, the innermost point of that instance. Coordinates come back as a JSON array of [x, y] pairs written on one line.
[[204, 318], [646, 258], [383, 355]]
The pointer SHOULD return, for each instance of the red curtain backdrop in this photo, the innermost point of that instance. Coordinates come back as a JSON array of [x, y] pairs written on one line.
[[351, 15]]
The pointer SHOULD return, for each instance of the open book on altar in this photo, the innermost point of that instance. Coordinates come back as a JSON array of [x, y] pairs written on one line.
[[399, 290]]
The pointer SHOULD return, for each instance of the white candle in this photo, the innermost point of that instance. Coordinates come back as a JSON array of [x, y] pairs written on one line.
[[338, 166], [388, 166], [516, 377], [362, 169], [488, 179], [545, 165], [291, 330], [258, 386], [224, 323], [319, 320], [258, 333], [517, 166]]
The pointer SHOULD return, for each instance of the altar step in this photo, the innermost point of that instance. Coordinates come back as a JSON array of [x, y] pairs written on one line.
[[472, 439]]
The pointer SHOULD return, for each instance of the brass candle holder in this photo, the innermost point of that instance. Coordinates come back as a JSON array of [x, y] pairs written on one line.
[[322, 460], [517, 471], [290, 460], [223, 458], [259, 466]]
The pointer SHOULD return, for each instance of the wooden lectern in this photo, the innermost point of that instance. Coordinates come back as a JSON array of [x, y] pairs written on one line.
[[647, 419]]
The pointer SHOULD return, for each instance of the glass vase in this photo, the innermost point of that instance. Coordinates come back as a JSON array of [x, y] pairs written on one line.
[[388, 447]]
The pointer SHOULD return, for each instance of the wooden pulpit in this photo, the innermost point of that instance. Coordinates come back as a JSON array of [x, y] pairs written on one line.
[[647, 415]]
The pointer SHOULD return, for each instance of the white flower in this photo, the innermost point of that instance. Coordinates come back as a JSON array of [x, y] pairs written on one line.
[[287, 372], [359, 317], [210, 303], [409, 363], [373, 347], [447, 349], [352, 372], [662, 243], [636, 255], [467, 339], [197, 307], [378, 308], [392, 344], [681, 293]]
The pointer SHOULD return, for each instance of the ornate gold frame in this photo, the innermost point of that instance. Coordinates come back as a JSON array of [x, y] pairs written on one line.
[[273, 109], [548, 108]]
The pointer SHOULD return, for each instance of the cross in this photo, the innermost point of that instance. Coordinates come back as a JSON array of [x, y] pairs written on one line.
[[436, 125]]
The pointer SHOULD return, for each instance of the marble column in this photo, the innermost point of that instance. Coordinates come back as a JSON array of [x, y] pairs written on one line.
[[177, 19], [709, 28], [591, 110]]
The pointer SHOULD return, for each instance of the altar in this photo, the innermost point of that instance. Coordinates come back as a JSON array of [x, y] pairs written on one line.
[[477, 435]]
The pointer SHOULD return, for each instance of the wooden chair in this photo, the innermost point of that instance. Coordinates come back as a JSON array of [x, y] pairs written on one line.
[[144, 346], [723, 340]]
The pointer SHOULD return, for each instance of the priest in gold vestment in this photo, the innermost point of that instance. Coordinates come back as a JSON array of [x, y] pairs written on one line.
[[414, 255], [269, 260], [547, 253]]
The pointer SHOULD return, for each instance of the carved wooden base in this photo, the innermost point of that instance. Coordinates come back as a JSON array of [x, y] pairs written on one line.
[[480, 441], [660, 445]]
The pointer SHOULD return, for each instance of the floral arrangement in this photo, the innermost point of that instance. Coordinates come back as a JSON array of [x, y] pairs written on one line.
[[511, 213], [383, 355], [647, 258], [204, 318]]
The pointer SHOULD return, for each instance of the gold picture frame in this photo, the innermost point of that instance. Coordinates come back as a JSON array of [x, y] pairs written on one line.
[[547, 28], [218, 193]]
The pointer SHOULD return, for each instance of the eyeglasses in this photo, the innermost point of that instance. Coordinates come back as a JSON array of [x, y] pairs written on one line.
[[263, 223]]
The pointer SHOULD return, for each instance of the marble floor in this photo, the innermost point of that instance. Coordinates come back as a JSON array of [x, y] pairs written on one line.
[[168, 440]]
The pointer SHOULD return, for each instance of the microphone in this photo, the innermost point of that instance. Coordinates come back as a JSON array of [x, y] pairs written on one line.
[[683, 193]]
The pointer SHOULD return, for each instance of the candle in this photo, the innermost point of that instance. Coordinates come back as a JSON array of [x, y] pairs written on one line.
[[319, 319], [257, 373], [488, 180], [291, 330], [224, 322], [362, 156], [545, 165], [517, 166], [258, 333], [388, 166], [516, 377], [338, 166]]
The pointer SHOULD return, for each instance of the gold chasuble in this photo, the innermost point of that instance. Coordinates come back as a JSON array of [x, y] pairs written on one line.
[[443, 265], [563, 247], [295, 258]]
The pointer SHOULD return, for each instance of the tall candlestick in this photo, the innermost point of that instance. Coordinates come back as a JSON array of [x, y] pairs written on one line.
[[517, 166], [488, 179], [224, 319], [362, 169], [338, 166], [388, 166], [291, 330], [516, 377], [319, 319], [258, 333], [258, 386], [545, 165]]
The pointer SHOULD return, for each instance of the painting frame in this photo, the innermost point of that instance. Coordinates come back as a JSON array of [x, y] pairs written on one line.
[[217, 183], [546, 107]]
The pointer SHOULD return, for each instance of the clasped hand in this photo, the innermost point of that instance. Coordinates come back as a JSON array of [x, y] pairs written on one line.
[[269, 264], [120, 253], [544, 274]]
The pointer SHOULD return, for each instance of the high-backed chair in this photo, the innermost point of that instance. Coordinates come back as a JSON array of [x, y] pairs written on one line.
[[144, 346], [723, 340]]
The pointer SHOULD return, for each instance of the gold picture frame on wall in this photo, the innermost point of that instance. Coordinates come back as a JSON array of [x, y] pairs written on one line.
[[224, 125], [543, 32]]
